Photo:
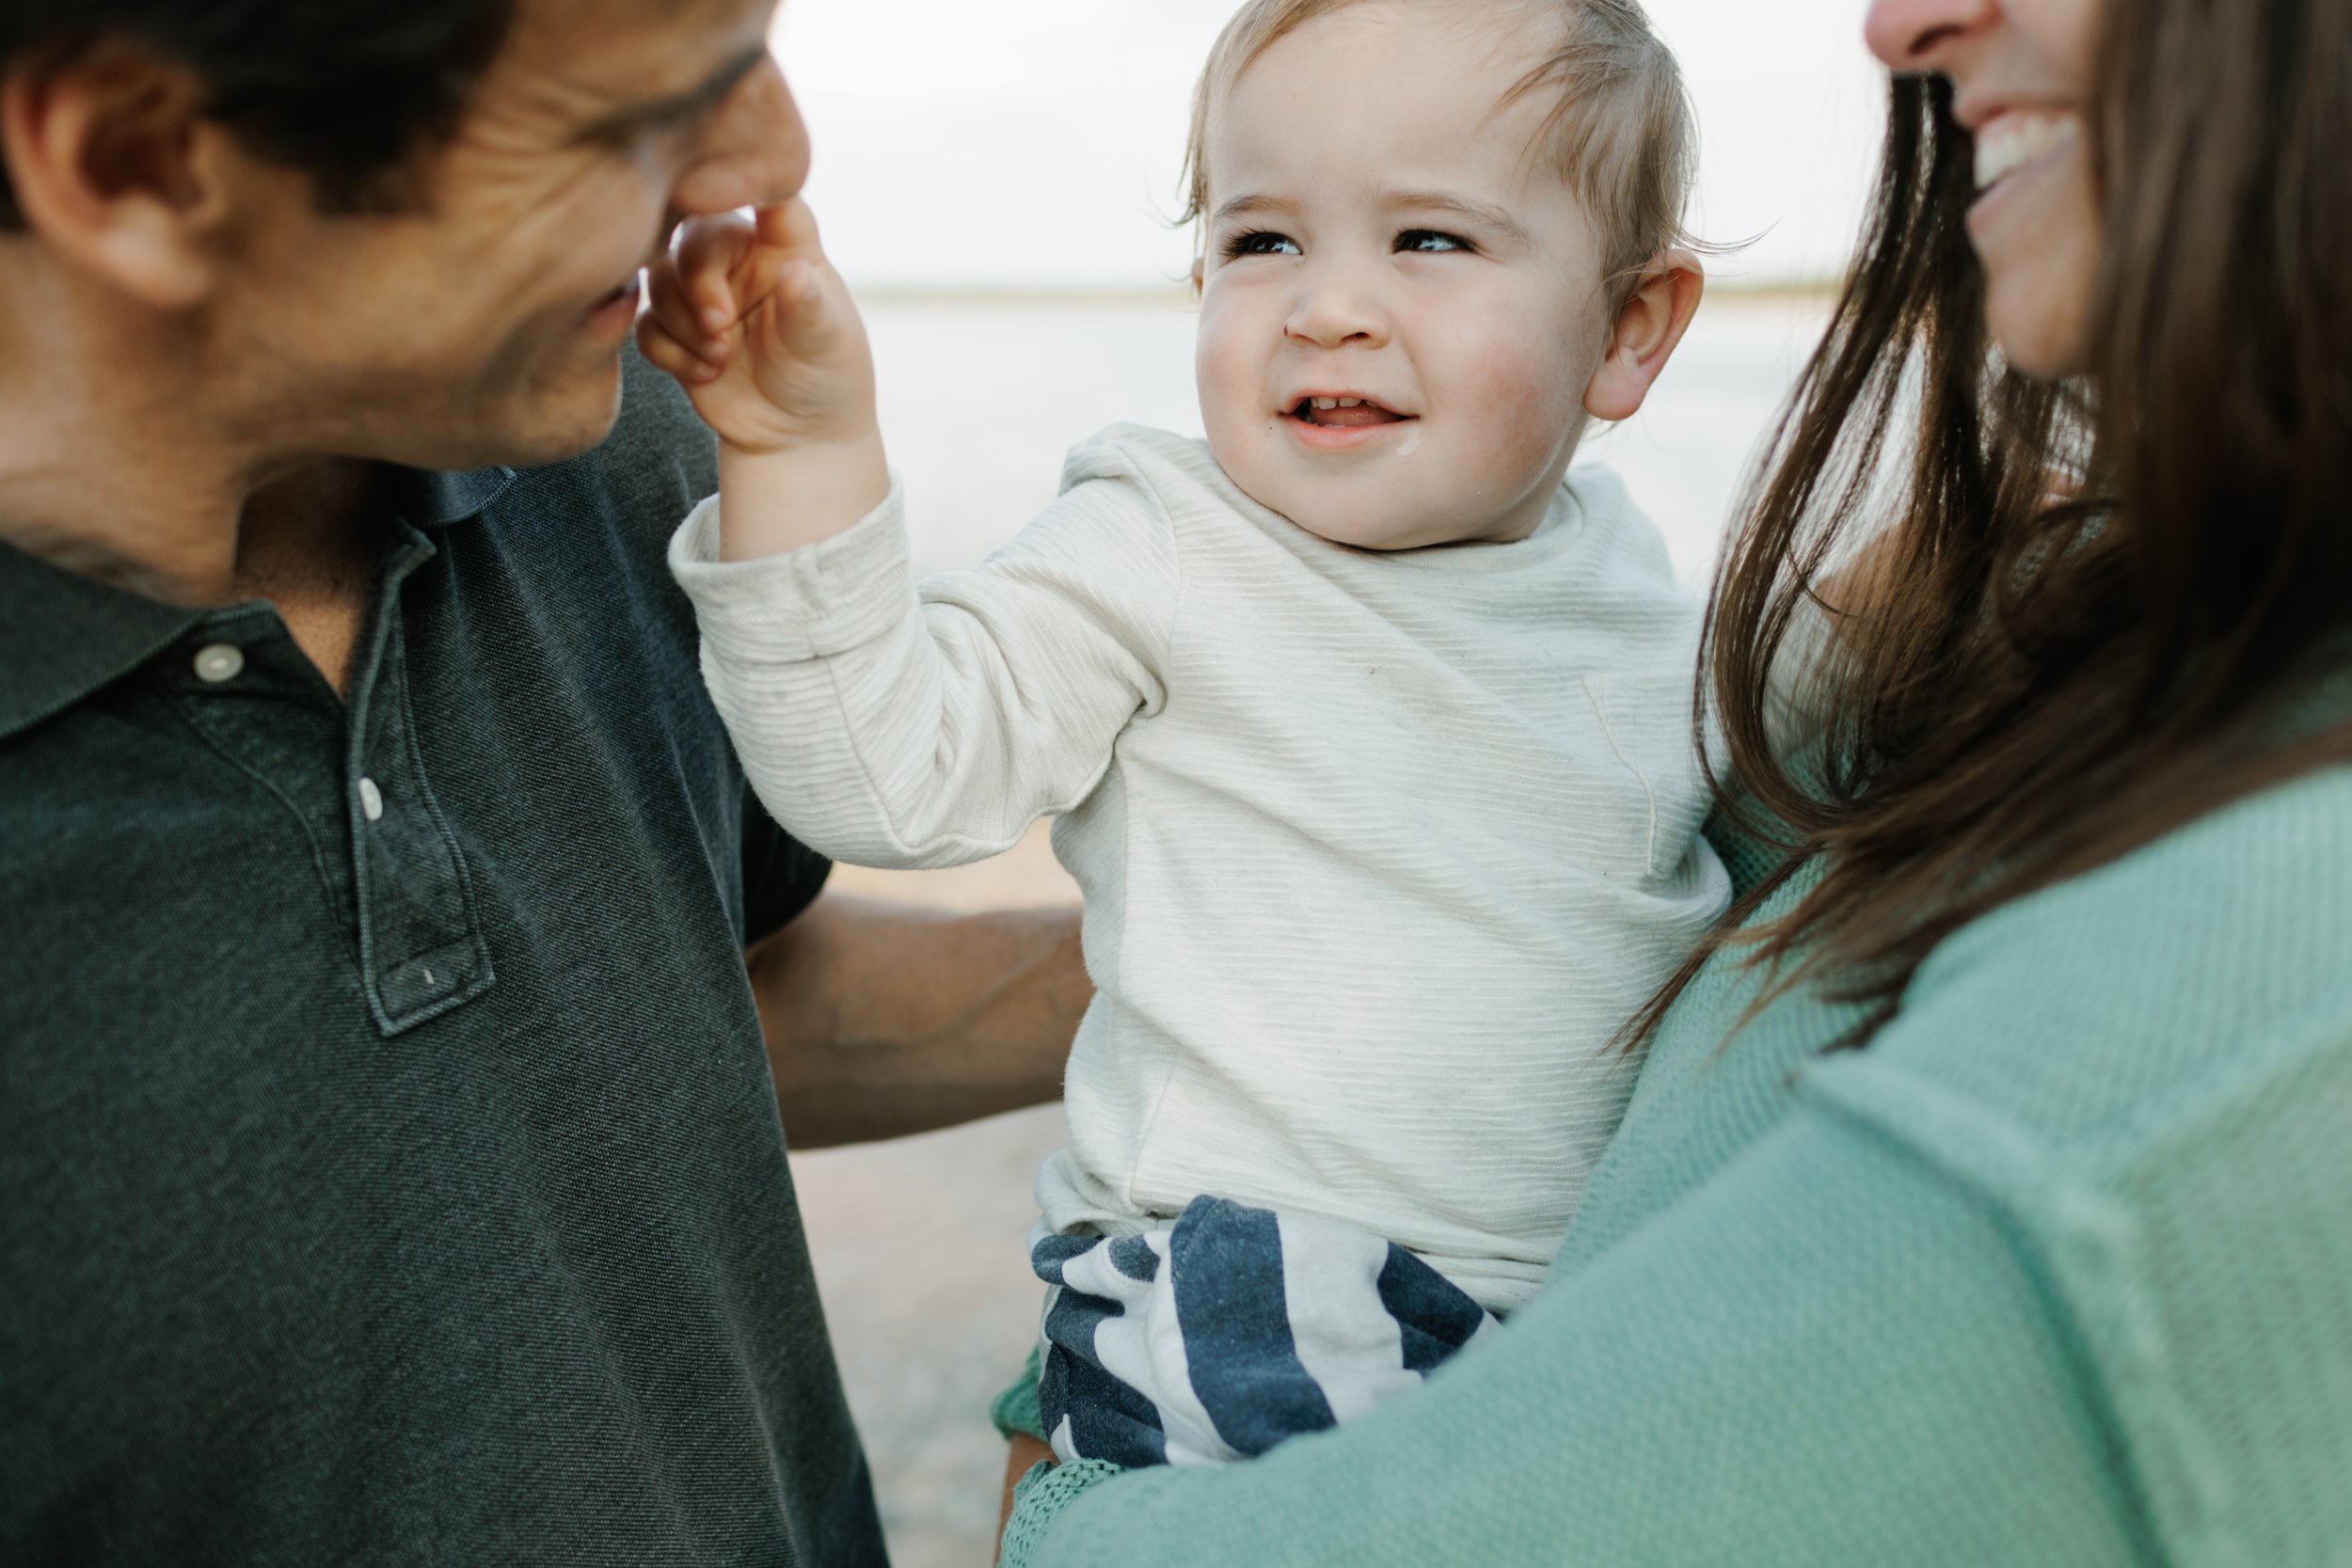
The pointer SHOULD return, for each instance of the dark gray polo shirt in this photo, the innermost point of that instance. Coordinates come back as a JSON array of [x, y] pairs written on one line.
[[390, 1170]]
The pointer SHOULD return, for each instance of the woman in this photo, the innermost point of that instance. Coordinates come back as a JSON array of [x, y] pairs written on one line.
[[1988, 1193]]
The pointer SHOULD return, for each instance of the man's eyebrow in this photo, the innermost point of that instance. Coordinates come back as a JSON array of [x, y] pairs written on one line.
[[705, 94], [1446, 201]]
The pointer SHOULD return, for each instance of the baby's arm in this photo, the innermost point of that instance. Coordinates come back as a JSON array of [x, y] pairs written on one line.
[[881, 728], [760, 330]]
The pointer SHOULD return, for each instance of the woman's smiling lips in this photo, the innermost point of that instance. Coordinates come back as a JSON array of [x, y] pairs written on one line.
[[1334, 421], [2016, 148]]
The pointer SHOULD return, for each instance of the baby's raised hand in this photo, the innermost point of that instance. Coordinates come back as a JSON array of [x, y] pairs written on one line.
[[758, 326], [760, 330]]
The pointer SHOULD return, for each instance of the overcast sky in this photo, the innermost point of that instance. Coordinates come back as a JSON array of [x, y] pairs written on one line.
[[1036, 143]]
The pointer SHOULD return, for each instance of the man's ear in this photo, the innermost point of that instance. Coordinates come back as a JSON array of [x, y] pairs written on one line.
[[1649, 324], [114, 164]]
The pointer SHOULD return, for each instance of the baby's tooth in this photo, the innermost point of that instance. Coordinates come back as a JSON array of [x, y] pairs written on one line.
[[1326, 403], [1350, 403]]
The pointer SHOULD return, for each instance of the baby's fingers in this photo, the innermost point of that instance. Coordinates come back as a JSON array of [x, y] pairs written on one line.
[[789, 227], [801, 318], [672, 308], [663, 349], [709, 254]]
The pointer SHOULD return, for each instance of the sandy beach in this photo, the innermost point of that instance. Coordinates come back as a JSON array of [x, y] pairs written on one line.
[[923, 1354]]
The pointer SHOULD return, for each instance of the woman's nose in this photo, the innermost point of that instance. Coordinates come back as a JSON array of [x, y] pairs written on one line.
[[1912, 34]]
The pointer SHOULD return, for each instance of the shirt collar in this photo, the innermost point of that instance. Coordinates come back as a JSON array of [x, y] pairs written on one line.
[[428, 500], [64, 635]]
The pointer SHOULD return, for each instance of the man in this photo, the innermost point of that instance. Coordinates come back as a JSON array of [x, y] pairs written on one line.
[[389, 1161]]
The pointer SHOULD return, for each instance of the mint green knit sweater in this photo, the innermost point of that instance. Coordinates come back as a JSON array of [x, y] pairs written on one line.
[[2058, 1271]]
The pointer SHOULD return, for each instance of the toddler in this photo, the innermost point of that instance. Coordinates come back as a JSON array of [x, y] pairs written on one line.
[[1367, 719]]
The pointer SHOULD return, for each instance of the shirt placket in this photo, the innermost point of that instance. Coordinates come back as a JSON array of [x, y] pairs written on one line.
[[422, 949], [355, 775]]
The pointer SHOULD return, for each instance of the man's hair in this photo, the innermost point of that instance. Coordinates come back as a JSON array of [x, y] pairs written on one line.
[[343, 91], [1620, 131]]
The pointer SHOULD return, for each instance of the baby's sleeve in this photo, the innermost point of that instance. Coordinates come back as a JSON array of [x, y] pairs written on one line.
[[890, 726]]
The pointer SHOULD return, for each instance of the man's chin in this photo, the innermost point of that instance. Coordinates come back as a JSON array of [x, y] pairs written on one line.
[[532, 427], [564, 422]]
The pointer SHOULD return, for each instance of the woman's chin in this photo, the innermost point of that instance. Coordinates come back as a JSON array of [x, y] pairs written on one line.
[[2038, 335], [2038, 279]]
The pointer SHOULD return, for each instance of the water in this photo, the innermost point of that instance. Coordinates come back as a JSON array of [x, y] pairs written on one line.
[[920, 1243]]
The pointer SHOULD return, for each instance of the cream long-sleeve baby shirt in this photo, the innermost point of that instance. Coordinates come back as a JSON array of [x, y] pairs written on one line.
[[1378, 850]]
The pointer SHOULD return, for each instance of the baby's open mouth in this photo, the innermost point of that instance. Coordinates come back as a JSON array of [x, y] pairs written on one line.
[[1344, 413]]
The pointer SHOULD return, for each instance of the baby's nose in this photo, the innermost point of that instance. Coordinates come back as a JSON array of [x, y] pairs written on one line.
[[1332, 310], [1337, 323]]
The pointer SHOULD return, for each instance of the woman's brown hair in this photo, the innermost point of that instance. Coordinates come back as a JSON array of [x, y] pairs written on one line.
[[2095, 604]]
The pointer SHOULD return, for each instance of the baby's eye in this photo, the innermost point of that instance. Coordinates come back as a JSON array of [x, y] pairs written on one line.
[[1432, 241], [1261, 242]]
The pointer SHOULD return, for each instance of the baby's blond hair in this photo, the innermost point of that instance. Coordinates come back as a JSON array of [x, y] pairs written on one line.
[[1621, 128]]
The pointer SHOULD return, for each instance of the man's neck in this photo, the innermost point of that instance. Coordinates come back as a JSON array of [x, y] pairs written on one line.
[[312, 544], [115, 459], [118, 460]]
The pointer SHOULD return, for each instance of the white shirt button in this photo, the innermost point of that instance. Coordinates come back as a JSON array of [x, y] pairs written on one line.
[[218, 663], [371, 801]]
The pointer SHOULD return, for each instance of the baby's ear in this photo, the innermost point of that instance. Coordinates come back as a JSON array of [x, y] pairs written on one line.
[[1199, 265], [1649, 324]]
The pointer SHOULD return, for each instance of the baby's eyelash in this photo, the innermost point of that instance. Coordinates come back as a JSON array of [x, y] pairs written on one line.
[[1434, 242], [1257, 241]]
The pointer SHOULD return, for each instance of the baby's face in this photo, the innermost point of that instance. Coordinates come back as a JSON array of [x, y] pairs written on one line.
[[1401, 302]]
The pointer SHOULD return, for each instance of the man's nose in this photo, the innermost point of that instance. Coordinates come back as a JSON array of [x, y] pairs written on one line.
[[1916, 35], [1335, 306], [753, 153]]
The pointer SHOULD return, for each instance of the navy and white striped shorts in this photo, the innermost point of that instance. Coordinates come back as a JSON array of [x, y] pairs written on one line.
[[1218, 1335]]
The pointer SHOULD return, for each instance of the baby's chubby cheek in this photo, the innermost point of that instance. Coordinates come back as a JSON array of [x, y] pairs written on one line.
[[1236, 411], [1230, 367], [1512, 410]]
